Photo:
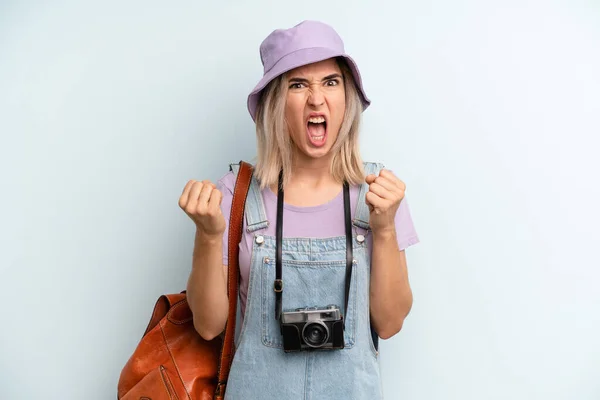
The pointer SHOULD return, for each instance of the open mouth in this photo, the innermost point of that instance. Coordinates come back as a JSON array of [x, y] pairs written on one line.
[[317, 130]]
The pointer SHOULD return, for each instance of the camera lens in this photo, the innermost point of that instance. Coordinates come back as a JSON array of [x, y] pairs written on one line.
[[315, 334]]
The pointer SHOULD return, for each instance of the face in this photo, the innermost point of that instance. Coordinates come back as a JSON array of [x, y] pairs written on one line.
[[315, 106]]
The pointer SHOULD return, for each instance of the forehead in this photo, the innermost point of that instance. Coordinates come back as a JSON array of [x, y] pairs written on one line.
[[321, 68]]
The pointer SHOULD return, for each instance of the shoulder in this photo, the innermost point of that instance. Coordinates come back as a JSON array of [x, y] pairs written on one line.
[[226, 182]]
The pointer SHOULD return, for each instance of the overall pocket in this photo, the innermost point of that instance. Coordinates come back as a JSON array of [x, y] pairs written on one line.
[[306, 284]]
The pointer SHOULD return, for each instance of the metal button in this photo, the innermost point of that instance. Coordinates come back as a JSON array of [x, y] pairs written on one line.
[[259, 239], [267, 260], [360, 238]]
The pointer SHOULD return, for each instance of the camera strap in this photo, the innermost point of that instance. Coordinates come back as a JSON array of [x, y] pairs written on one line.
[[278, 284]]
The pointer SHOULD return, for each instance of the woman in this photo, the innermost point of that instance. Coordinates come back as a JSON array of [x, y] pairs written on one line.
[[307, 110]]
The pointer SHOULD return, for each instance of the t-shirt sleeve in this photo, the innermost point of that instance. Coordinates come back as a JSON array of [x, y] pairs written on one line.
[[405, 229], [226, 185]]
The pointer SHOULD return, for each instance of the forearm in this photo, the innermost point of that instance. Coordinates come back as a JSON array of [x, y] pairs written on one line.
[[207, 287], [390, 292]]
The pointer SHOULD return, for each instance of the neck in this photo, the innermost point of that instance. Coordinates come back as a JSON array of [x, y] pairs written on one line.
[[311, 173]]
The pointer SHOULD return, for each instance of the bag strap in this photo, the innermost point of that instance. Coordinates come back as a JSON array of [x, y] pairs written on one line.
[[236, 219]]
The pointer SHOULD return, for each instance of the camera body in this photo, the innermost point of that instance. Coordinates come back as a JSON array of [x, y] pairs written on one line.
[[312, 328]]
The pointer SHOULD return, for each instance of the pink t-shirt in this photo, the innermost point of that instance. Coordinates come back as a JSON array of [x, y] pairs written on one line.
[[322, 221]]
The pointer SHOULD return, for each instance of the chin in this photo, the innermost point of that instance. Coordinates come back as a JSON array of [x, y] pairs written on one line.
[[317, 153]]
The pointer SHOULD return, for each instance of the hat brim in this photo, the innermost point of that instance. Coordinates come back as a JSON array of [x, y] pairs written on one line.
[[298, 59]]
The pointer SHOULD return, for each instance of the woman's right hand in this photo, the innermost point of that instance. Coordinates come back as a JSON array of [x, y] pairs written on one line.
[[201, 201]]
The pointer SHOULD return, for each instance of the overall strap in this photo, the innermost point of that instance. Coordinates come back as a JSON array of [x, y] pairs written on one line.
[[361, 218], [256, 216], [361, 214]]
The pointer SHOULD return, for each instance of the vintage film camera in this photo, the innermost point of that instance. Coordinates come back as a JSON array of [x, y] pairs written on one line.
[[312, 328]]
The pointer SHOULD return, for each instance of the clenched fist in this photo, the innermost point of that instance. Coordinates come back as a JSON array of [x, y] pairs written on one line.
[[201, 201], [385, 193]]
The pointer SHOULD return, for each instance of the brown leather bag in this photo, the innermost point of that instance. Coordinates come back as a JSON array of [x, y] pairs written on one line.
[[172, 361]]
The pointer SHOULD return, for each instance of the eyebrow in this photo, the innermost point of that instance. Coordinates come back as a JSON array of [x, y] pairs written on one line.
[[327, 78]]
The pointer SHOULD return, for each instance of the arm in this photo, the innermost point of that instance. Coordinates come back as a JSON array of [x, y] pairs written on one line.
[[390, 294], [207, 286], [207, 283]]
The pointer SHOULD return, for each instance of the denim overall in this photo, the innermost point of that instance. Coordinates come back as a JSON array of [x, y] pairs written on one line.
[[313, 275]]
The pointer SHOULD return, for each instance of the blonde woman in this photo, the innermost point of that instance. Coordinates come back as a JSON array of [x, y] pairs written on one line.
[[322, 262]]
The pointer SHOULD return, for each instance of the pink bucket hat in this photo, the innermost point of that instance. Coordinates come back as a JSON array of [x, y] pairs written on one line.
[[306, 43]]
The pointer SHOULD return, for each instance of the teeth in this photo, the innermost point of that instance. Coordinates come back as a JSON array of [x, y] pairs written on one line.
[[317, 138], [316, 120]]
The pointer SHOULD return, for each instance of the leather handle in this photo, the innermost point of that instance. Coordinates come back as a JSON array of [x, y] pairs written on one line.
[[236, 219]]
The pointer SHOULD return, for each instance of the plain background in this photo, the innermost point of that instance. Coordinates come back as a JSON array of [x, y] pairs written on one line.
[[489, 111]]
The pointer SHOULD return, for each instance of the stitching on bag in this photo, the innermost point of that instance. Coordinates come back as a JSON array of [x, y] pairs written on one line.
[[164, 379], [174, 363], [176, 321], [228, 358]]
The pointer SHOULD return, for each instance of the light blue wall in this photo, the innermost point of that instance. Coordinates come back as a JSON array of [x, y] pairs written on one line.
[[487, 110]]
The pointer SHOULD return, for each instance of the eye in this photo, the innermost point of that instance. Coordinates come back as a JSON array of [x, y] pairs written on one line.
[[332, 82], [296, 85]]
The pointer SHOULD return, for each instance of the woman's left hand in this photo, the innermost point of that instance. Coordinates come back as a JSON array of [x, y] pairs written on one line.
[[385, 193]]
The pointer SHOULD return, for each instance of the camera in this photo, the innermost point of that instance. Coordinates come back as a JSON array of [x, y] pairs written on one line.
[[312, 328]]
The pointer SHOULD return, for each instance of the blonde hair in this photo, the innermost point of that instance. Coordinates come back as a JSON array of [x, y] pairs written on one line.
[[274, 144]]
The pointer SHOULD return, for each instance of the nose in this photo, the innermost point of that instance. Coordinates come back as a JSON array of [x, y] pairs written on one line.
[[316, 97]]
